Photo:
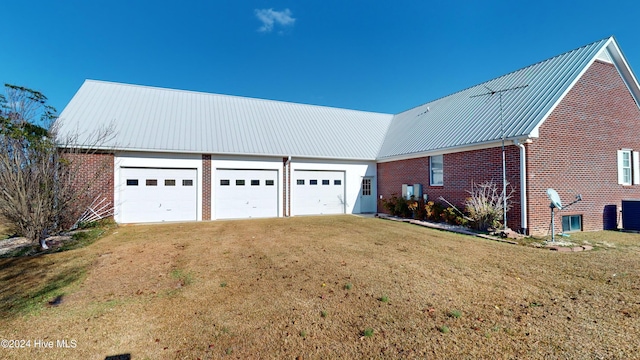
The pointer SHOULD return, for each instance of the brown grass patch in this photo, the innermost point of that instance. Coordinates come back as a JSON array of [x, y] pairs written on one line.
[[277, 288]]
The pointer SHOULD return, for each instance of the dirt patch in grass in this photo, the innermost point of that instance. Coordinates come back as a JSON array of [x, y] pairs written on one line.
[[325, 287]]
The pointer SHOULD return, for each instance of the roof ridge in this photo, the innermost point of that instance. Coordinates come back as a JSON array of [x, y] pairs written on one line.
[[507, 74]]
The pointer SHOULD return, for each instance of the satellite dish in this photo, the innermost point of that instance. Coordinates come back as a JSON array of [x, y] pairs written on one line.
[[555, 198], [556, 203]]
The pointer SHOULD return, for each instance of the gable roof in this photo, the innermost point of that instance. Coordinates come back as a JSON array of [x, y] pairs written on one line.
[[464, 119], [165, 120]]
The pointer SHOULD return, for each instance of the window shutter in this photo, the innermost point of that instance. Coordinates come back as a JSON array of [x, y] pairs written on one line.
[[636, 168], [620, 172]]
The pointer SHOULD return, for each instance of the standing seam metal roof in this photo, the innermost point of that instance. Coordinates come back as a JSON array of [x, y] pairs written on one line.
[[461, 119], [155, 119]]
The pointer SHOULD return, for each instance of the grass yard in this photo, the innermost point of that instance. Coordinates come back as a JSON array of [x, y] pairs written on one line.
[[323, 287]]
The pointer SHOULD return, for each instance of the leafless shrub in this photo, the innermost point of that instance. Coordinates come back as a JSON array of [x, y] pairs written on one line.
[[485, 205], [41, 192]]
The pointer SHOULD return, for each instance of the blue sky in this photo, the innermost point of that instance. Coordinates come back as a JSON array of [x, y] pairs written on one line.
[[366, 55]]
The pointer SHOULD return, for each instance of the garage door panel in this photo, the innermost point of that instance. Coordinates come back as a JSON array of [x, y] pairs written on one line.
[[246, 193], [318, 192], [160, 195]]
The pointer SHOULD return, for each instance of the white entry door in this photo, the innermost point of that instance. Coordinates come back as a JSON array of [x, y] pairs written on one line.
[[318, 192], [243, 193], [155, 195]]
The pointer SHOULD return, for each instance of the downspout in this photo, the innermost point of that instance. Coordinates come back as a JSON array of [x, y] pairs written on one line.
[[523, 186], [287, 187]]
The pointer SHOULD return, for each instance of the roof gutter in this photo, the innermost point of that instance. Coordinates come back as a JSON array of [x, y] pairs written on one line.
[[524, 224]]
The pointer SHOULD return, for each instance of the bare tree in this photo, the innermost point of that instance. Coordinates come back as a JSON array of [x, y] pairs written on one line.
[[40, 192]]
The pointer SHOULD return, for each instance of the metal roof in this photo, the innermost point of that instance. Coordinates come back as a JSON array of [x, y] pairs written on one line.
[[460, 119], [154, 119], [165, 120]]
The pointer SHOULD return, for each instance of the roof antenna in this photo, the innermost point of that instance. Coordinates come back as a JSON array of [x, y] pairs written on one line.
[[490, 93]]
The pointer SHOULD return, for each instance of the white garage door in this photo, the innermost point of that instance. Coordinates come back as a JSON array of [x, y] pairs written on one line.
[[154, 195], [246, 193], [318, 192]]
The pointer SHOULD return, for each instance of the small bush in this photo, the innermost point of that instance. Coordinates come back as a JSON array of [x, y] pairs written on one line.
[[397, 206], [454, 314], [434, 211], [368, 332], [348, 286], [384, 298]]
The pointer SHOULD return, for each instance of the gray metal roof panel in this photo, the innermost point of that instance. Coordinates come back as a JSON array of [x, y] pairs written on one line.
[[155, 119], [461, 119]]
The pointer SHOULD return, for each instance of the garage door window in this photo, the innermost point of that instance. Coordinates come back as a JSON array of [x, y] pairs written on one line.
[[313, 182], [337, 182], [300, 181], [255, 182], [325, 182], [224, 182], [269, 182], [169, 182], [132, 182], [239, 182], [152, 182], [187, 182]]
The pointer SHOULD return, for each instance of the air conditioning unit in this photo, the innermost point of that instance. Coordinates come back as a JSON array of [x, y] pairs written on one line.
[[631, 215]]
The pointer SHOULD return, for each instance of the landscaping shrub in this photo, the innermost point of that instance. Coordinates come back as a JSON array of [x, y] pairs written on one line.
[[485, 205]]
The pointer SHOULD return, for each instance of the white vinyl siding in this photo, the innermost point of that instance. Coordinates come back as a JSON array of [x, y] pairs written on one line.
[[435, 169], [628, 167]]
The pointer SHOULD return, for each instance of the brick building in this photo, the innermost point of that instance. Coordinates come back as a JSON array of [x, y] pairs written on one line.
[[569, 123]]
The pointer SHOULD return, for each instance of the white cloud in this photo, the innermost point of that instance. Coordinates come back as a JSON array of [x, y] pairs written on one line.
[[271, 18]]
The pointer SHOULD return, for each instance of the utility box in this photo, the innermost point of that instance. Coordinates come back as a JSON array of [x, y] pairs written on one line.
[[631, 215], [414, 190], [417, 190], [407, 191]]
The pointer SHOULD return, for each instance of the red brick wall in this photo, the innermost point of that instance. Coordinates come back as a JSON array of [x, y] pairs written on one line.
[[575, 154], [576, 150], [93, 174], [206, 187], [460, 170]]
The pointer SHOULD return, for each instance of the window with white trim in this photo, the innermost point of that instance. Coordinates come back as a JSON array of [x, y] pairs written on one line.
[[435, 169], [628, 167]]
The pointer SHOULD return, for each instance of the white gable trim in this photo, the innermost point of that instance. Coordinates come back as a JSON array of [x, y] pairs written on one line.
[[625, 70]]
